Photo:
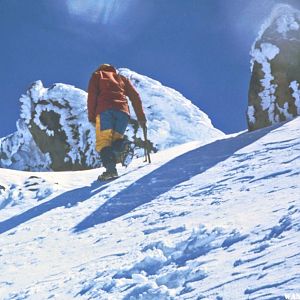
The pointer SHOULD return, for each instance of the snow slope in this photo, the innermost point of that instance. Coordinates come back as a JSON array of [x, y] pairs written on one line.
[[219, 221]]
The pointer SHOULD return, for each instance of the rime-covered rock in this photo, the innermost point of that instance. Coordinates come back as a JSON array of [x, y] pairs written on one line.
[[274, 92], [18, 151], [57, 120], [53, 132]]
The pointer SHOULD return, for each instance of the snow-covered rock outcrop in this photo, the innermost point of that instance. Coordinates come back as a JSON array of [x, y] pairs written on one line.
[[274, 92], [53, 132]]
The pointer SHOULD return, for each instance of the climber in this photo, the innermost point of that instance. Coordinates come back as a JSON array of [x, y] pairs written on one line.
[[108, 111]]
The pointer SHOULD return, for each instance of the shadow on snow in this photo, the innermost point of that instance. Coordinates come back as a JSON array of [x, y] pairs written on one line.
[[144, 190], [67, 199], [163, 179]]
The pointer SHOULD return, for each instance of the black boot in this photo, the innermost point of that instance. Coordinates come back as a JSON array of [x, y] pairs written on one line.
[[108, 175], [109, 162]]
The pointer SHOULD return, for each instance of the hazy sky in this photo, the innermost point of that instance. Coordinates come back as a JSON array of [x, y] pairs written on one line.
[[199, 47]]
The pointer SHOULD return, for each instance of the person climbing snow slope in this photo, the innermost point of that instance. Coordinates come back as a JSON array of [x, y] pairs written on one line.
[[108, 110]]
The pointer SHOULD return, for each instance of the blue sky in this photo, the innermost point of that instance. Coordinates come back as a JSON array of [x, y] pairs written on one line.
[[199, 47]]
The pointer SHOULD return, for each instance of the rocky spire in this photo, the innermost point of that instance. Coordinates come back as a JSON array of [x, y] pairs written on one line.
[[274, 91]]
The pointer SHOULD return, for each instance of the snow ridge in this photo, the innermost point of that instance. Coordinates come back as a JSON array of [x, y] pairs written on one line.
[[172, 119]]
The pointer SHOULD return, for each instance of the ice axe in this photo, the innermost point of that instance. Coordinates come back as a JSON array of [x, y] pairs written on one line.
[[146, 145]]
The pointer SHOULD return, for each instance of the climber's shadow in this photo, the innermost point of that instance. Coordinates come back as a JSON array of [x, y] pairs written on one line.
[[147, 188], [163, 179]]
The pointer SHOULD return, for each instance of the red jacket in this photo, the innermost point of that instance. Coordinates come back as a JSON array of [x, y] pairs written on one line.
[[108, 90]]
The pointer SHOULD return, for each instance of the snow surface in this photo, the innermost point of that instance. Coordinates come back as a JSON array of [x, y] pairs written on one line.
[[296, 94], [219, 221], [172, 120]]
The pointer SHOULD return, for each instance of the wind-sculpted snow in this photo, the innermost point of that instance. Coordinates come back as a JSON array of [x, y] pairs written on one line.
[[172, 119], [216, 221], [53, 132], [33, 188]]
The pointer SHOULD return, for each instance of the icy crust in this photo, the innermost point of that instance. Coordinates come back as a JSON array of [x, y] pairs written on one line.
[[172, 119]]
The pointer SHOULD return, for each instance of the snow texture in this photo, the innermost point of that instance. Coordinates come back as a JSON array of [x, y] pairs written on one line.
[[251, 114], [70, 104], [296, 94], [263, 56], [215, 221], [172, 120]]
